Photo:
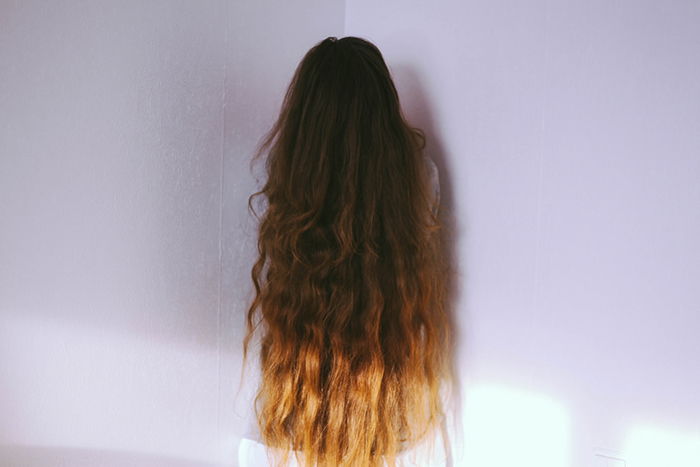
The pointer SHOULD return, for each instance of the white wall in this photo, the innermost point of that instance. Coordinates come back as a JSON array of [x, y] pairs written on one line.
[[125, 134], [568, 140]]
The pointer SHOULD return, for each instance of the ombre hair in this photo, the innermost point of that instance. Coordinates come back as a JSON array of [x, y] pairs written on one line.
[[350, 277]]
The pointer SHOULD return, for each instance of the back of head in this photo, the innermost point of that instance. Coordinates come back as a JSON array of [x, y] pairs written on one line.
[[349, 279]]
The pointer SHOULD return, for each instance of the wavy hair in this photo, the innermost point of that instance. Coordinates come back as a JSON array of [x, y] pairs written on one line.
[[349, 281]]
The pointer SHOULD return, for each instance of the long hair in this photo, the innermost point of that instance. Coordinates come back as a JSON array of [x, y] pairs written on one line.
[[349, 282]]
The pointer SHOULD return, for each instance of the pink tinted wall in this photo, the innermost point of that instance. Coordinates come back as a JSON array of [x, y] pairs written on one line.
[[125, 134], [568, 140]]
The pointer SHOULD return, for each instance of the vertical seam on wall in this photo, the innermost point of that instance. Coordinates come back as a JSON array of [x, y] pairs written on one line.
[[345, 17], [536, 280], [221, 223]]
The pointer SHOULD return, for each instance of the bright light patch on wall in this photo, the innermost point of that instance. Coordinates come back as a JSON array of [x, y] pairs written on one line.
[[648, 446], [505, 427]]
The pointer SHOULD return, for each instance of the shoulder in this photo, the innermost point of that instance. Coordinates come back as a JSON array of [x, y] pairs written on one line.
[[431, 452], [432, 167], [434, 180], [254, 453]]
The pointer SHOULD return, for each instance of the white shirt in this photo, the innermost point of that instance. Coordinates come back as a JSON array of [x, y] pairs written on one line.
[[434, 180], [252, 453]]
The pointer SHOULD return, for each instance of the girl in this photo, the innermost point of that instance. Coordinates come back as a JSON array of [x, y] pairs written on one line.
[[350, 278]]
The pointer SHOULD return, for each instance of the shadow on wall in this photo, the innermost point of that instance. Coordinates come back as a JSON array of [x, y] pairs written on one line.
[[498, 425], [417, 110]]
